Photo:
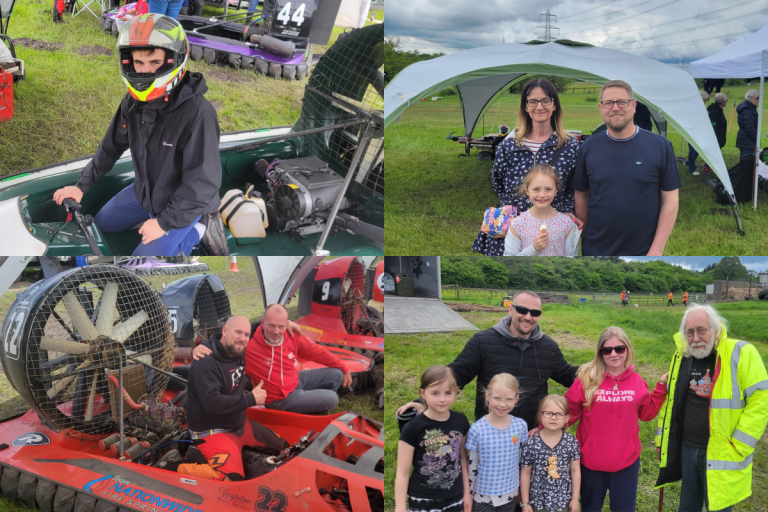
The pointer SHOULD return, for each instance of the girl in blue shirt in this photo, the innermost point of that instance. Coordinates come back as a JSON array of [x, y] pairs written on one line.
[[493, 448]]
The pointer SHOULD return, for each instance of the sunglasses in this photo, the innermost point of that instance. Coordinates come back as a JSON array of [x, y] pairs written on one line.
[[535, 313], [607, 350]]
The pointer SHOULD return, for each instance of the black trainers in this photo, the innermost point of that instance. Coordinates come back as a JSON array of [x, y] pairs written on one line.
[[214, 241]]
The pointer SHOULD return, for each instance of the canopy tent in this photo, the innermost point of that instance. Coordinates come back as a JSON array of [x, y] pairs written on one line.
[[482, 74], [6, 8], [747, 58]]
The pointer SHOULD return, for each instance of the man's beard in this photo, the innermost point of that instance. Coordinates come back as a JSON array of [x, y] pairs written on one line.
[[274, 343], [618, 125], [702, 352]]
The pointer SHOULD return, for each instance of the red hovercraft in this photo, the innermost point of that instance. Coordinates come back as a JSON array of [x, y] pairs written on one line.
[[72, 341]]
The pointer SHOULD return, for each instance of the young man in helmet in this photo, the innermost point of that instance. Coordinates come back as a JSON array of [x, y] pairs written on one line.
[[173, 134]]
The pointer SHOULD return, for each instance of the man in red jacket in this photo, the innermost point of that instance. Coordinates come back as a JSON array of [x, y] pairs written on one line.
[[270, 356]]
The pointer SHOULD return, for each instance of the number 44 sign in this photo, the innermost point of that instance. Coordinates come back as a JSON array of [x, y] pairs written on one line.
[[294, 18]]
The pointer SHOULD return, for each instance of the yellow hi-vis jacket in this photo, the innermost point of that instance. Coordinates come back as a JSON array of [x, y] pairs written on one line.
[[738, 413]]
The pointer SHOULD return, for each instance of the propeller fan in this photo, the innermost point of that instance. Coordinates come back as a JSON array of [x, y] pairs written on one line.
[[74, 331]]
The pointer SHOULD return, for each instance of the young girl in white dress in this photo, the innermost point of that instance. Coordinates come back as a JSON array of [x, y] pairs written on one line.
[[541, 230]]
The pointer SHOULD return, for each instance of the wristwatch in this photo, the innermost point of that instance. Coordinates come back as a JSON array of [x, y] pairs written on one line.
[[525, 505]]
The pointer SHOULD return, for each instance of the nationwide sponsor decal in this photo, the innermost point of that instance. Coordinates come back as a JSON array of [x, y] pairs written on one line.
[[234, 498], [133, 497], [31, 439], [188, 481]]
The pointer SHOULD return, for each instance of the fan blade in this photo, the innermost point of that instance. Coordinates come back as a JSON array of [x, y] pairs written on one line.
[[107, 310], [54, 364], [124, 330], [63, 383], [91, 397], [57, 345], [79, 317]]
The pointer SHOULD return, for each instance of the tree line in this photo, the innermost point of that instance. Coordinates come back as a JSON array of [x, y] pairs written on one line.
[[601, 274]]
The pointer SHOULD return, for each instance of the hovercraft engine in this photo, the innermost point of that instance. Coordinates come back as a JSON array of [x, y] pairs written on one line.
[[301, 188]]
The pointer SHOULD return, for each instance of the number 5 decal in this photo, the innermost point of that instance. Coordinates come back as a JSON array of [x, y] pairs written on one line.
[[174, 320], [298, 14], [13, 337]]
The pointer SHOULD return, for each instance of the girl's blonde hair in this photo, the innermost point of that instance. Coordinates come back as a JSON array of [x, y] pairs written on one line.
[[592, 374], [505, 379], [524, 124], [544, 169], [436, 375], [558, 400]]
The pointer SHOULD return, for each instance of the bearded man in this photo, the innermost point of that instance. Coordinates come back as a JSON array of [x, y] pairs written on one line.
[[715, 413], [626, 182]]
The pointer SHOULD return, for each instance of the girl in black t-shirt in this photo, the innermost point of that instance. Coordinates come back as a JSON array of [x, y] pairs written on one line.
[[433, 445]]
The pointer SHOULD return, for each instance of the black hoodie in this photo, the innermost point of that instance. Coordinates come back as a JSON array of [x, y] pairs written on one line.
[[175, 150], [217, 396], [719, 123]]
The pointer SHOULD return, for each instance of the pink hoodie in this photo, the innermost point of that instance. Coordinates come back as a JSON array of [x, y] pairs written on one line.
[[608, 432]]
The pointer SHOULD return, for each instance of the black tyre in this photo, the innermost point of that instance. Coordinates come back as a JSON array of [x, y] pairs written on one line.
[[233, 59], [209, 56], [28, 489], [64, 501], [301, 71], [275, 70], [115, 30], [46, 492], [85, 503], [195, 8], [380, 399], [261, 67], [105, 506], [9, 483], [195, 52], [289, 72], [247, 63]]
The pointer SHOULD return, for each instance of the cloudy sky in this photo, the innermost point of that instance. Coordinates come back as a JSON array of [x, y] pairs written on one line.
[[665, 30], [756, 263]]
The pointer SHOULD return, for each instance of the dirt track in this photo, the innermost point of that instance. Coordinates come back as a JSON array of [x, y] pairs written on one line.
[[464, 307]]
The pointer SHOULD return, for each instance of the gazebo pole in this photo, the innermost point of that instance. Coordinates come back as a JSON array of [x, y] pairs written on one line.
[[757, 144]]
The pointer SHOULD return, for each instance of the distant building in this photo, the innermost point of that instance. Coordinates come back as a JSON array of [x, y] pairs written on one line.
[[734, 290]]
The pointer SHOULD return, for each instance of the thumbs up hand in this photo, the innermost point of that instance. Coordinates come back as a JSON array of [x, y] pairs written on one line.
[[260, 394]]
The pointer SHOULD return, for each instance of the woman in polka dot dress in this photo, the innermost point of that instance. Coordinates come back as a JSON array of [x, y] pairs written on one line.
[[538, 135]]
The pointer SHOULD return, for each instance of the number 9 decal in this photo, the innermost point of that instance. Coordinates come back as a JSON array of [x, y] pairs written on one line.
[[326, 290]]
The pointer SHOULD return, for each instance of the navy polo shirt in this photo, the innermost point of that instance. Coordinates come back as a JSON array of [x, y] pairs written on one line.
[[624, 178]]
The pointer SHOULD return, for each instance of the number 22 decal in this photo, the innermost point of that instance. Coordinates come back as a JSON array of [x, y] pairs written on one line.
[[298, 14], [271, 501], [13, 337]]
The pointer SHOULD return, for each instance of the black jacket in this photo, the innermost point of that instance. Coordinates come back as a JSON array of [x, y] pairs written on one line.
[[719, 123], [217, 398], [533, 361], [747, 136], [175, 150], [673, 471]]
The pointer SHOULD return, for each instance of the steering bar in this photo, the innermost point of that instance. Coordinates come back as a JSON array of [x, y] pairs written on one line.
[[82, 221]]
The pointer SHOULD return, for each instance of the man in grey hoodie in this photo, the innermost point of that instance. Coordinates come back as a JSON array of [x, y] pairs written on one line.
[[515, 345]]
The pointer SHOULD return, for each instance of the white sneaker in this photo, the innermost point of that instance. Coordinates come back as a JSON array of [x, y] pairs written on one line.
[[695, 173]]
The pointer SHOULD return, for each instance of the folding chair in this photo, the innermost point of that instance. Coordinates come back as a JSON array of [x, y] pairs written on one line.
[[83, 5]]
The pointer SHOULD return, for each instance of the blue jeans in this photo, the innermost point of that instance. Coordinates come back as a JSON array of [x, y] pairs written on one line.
[[252, 6], [123, 211], [621, 485], [746, 152], [693, 494], [168, 7], [691, 162], [314, 394]]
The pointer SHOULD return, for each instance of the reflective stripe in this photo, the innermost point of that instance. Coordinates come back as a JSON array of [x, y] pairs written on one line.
[[760, 386], [727, 403], [659, 431], [727, 465], [745, 438], [735, 356]]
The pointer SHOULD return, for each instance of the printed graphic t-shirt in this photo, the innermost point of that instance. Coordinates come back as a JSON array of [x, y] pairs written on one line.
[[551, 487], [437, 455], [696, 415]]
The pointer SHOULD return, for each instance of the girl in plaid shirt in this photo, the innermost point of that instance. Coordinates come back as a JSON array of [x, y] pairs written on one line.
[[493, 448]]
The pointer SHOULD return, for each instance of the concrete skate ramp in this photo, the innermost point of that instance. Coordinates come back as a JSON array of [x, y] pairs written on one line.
[[406, 315]]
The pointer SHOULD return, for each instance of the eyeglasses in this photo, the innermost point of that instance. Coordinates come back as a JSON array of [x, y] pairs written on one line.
[[533, 103], [607, 350], [549, 415], [701, 331], [608, 104], [535, 313]]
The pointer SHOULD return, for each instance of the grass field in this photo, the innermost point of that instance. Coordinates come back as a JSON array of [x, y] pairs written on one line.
[[436, 200], [576, 329], [72, 90], [245, 299]]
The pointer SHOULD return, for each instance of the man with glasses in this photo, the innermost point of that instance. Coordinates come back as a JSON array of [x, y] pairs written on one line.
[[714, 415], [746, 139], [515, 345], [626, 183]]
